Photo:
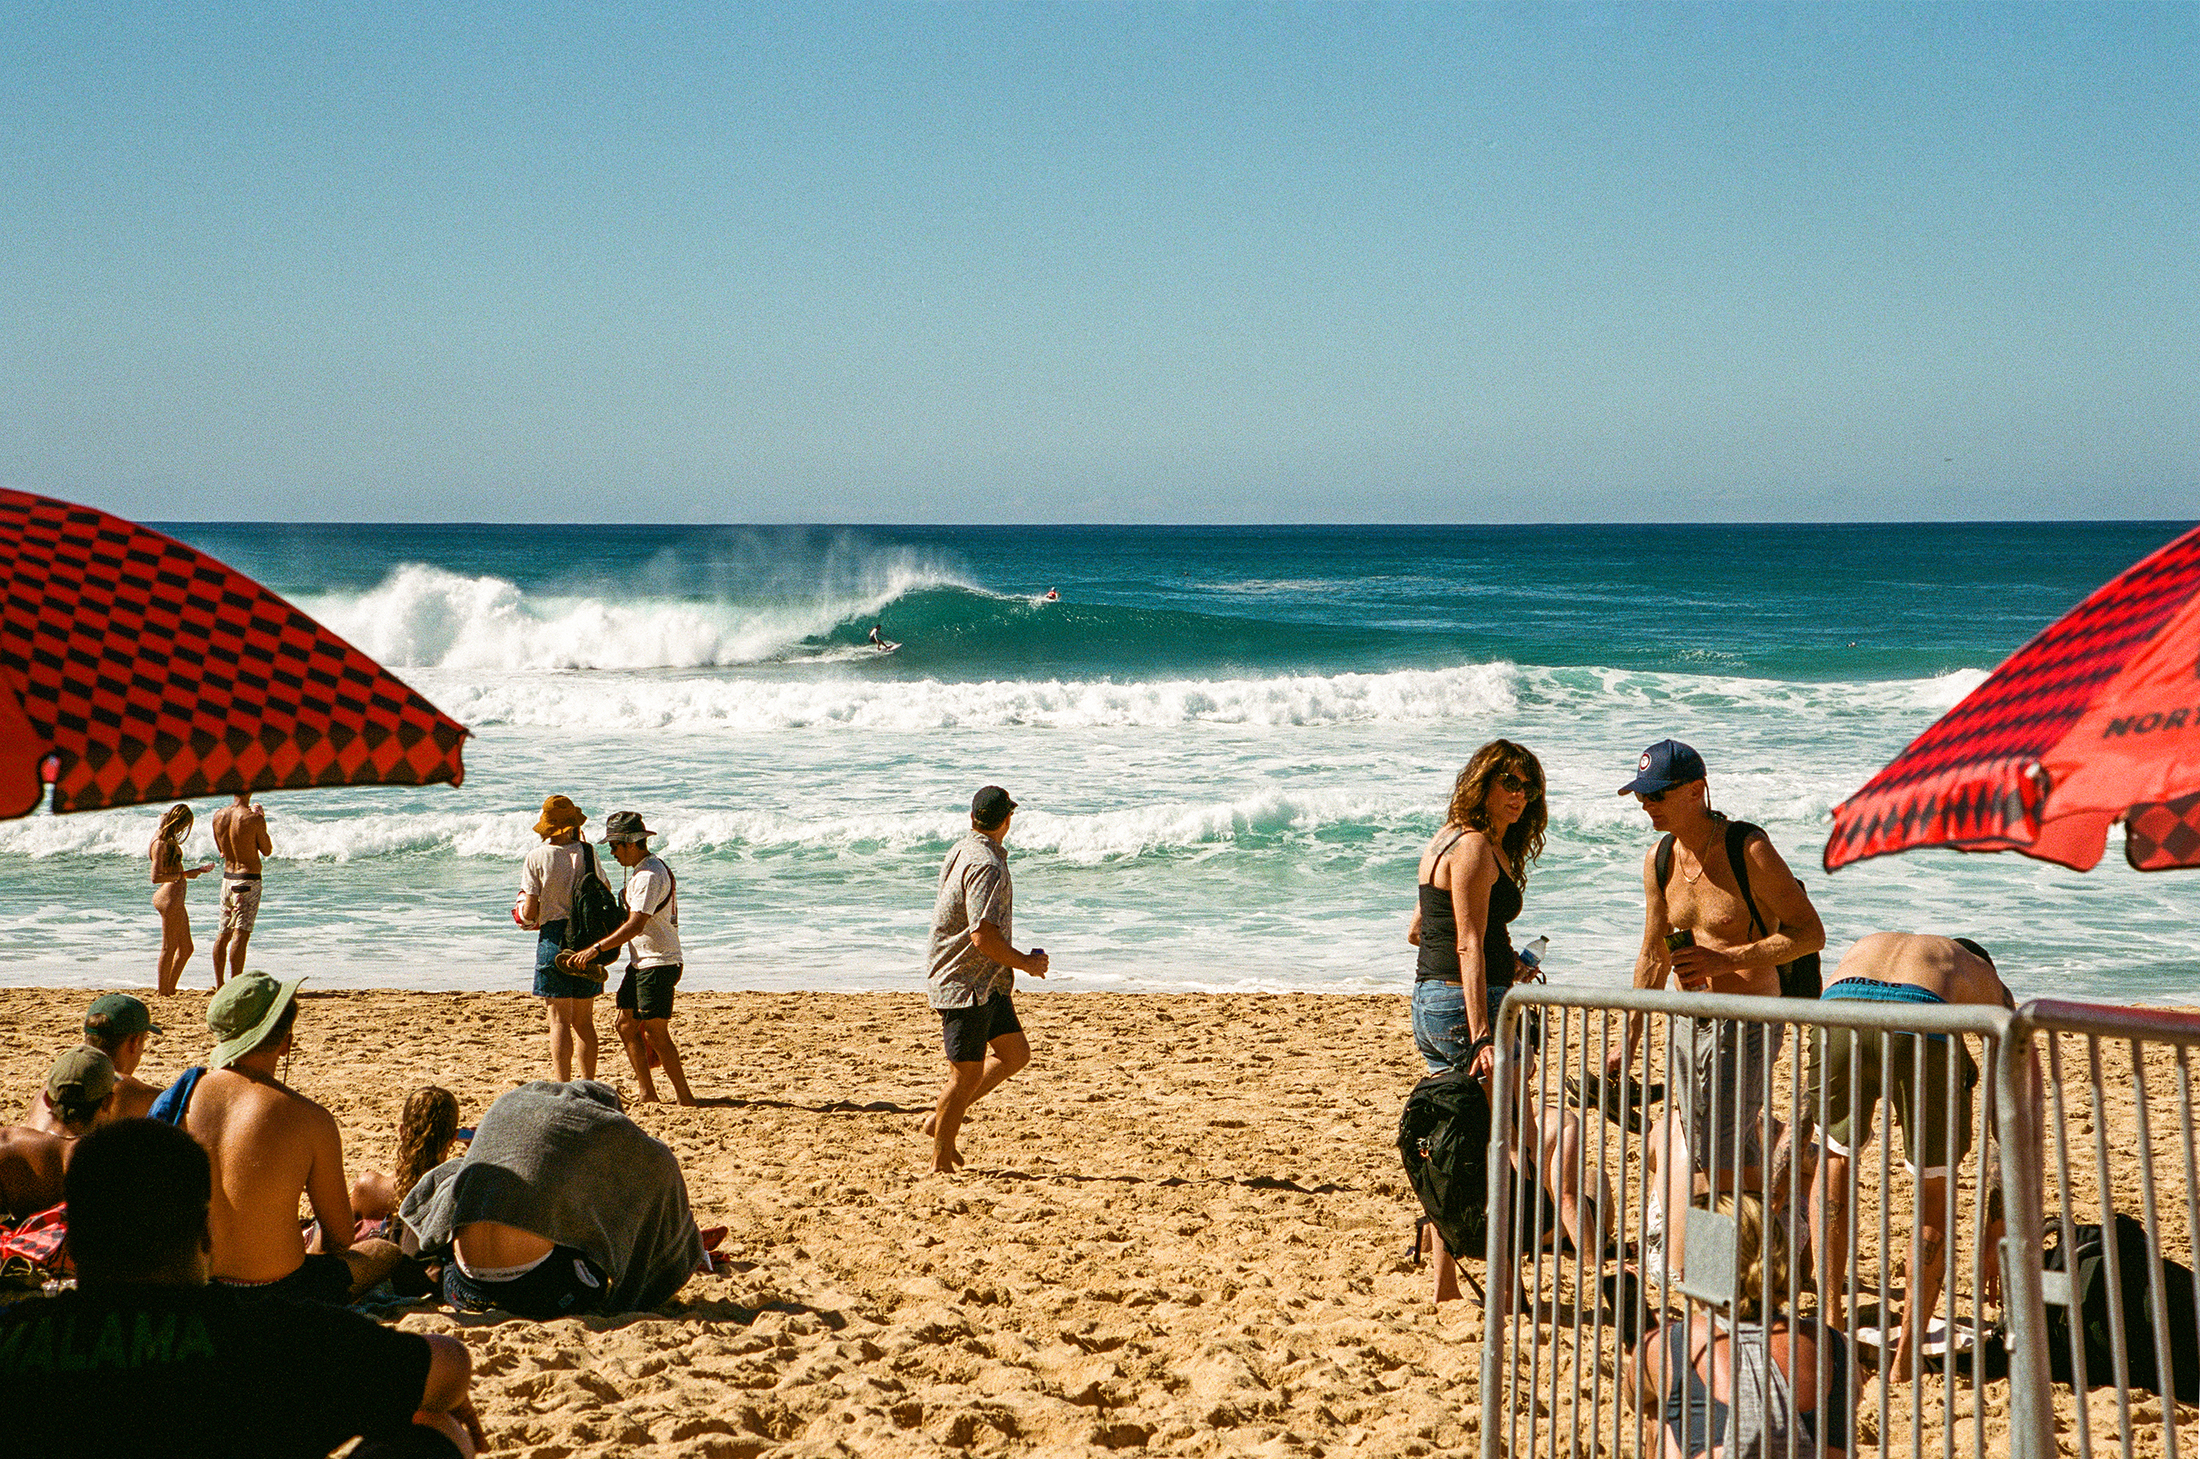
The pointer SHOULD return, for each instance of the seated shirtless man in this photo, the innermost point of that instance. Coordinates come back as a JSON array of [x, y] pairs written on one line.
[[79, 1093], [1899, 967], [269, 1145], [118, 1026]]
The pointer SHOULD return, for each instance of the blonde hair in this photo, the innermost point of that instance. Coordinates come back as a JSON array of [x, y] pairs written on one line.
[[1760, 1255], [175, 823]]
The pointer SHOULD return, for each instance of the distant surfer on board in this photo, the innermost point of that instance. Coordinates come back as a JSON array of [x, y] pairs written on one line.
[[1051, 597], [880, 641]]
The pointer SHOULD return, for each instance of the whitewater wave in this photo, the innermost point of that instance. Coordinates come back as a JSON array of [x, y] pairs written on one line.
[[426, 617], [603, 703], [1267, 817]]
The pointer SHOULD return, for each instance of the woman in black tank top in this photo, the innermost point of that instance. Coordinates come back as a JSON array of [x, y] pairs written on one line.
[[1471, 880]]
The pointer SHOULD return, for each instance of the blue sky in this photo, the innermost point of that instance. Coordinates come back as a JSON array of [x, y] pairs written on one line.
[[1102, 263]]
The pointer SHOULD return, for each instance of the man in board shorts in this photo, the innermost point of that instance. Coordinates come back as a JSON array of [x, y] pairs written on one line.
[[970, 969], [1850, 1072], [240, 834], [651, 932]]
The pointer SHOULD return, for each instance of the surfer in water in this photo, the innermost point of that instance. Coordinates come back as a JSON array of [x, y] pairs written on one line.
[[1051, 597], [878, 634]]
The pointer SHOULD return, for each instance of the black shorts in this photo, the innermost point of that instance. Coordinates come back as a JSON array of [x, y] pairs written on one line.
[[563, 1284], [966, 1031], [647, 992], [322, 1277]]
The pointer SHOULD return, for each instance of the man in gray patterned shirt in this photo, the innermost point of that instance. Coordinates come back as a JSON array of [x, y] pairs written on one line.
[[970, 969]]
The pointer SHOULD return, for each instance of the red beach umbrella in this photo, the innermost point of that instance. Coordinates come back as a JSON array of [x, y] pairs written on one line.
[[2098, 717], [148, 671]]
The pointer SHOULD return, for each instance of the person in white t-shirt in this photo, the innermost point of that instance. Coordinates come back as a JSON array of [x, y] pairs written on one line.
[[651, 933], [546, 885]]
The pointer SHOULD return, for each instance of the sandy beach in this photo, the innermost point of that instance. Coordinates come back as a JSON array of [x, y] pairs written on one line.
[[1182, 1230]]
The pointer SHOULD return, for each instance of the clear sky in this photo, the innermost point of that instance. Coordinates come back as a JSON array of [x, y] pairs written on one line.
[[958, 263]]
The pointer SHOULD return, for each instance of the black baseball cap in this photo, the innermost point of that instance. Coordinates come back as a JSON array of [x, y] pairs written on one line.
[[1664, 765], [990, 806]]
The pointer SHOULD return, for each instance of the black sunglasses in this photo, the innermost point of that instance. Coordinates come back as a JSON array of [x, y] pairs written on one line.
[[1651, 797], [1510, 781]]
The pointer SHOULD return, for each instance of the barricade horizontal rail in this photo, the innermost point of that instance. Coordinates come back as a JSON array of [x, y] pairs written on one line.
[[1601, 1216]]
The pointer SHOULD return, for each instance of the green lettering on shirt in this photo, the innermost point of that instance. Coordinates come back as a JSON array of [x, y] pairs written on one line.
[[151, 1344], [67, 1359], [11, 1347], [109, 1350], [196, 1341]]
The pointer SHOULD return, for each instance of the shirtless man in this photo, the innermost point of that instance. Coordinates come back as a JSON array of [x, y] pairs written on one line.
[[240, 834], [1899, 967], [118, 1026], [269, 1145], [80, 1094], [1717, 1064]]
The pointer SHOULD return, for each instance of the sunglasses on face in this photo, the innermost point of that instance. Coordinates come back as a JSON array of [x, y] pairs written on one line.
[[1651, 797], [1512, 782]]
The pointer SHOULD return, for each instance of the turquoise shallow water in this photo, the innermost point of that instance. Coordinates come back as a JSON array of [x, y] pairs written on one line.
[[1229, 743]]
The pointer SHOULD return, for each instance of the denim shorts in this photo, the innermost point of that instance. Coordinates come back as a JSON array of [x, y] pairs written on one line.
[[1440, 1029], [549, 981]]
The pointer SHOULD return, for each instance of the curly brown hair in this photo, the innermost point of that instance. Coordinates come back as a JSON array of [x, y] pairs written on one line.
[[424, 1134], [1524, 838]]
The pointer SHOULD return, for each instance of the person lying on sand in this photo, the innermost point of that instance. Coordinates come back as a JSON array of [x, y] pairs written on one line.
[[145, 1357], [118, 1026], [269, 1145], [561, 1207], [79, 1094]]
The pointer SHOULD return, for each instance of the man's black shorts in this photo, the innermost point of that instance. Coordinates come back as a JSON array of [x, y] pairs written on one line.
[[647, 992], [322, 1277], [966, 1031]]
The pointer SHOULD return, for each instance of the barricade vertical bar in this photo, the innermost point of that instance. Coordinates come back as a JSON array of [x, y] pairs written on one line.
[[1499, 1275], [2061, 1123], [1886, 1217], [2192, 1176], [2111, 1257], [2156, 1312], [1914, 1278], [2031, 1412], [1979, 1225]]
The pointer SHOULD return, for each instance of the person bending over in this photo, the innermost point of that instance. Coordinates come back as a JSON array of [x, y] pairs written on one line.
[[1915, 968], [269, 1145], [561, 1207], [144, 1357]]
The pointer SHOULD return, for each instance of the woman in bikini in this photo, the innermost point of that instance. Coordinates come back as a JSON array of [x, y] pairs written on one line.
[[1471, 879], [170, 876]]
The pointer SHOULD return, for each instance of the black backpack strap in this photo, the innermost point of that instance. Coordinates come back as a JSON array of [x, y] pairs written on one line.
[[1665, 860], [1737, 848]]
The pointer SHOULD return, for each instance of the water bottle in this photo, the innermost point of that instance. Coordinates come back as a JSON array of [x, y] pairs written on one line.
[[1532, 954]]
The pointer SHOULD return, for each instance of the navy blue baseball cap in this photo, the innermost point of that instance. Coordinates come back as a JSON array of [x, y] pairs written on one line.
[[1664, 765]]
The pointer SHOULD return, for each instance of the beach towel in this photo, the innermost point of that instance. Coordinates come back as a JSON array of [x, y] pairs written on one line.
[[38, 1239], [562, 1161], [170, 1106]]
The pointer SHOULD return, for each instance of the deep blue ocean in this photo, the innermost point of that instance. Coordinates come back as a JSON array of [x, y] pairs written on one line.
[[1229, 743]]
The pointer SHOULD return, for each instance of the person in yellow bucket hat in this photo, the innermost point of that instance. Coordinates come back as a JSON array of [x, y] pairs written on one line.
[[546, 884]]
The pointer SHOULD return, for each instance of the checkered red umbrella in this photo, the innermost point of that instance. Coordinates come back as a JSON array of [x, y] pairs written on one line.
[[2098, 717], [149, 671]]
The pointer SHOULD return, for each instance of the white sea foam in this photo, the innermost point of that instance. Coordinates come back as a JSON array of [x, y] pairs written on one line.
[[617, 702], [426, 617]]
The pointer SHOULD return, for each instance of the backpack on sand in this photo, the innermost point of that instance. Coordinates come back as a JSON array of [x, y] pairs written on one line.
[[1444, 1138], [1798, 979], [2087, 1263], [594, 915]]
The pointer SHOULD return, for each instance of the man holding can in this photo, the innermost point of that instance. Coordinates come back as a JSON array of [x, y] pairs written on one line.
[[1712, 927], [970, 969]]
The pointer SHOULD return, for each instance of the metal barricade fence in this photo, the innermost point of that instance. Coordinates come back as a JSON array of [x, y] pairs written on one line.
[[2117, 1309], [1672, 1201]]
